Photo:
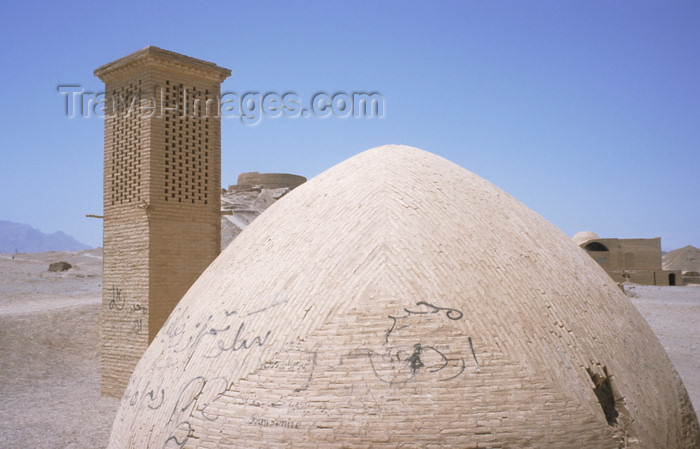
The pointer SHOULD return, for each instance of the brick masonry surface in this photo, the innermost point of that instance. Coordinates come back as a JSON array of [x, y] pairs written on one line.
[[399, 301], [162, 169]]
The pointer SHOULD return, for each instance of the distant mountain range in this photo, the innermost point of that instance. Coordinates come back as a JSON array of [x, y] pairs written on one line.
[[22, 238]]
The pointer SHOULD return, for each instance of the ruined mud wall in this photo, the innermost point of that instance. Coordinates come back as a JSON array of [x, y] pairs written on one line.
[[267, 180]]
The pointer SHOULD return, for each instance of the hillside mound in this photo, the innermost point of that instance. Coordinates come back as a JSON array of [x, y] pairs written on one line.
[[684, 259]]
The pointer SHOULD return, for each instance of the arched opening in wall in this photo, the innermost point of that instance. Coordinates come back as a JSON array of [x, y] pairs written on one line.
[[596, 246], [672, 279], [598, 252]]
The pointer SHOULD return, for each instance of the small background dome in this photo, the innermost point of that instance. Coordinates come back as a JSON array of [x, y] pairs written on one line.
[[584, 236]]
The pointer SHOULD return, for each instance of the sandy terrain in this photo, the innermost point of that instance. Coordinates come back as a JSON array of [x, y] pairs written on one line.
[[674, 315], [49, 348], [49, 353]]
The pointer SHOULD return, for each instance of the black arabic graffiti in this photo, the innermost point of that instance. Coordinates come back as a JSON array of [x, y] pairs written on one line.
[[139, 308], [452, 314], [117, 302], [239, 341], [153, 399], [204, 330], [471, 347], [398, 364], [200, 391], [180, 435], [220, 326], [138, 322], [153, 396]]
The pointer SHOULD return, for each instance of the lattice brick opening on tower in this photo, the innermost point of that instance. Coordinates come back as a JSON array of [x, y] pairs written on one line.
[[126, 153], [186, 144]]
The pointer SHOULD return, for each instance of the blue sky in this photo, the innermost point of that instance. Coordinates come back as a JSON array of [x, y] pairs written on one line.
[[586, 111]]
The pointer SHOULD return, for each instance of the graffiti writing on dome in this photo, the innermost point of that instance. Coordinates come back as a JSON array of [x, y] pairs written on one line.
[[412, 348], [193, 400], [424, 308], [216, 335], [274, 422], [210, 337]]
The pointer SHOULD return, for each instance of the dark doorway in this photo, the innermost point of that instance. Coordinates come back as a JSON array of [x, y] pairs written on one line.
[[672, 279]]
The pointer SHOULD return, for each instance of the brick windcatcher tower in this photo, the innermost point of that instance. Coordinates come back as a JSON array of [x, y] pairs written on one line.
[[162, 182]]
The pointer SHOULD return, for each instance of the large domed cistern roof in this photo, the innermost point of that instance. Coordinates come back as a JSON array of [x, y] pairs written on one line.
[[398, 300]]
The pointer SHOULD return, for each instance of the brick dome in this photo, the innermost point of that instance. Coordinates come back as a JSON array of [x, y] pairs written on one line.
[[399, 301], [584, 236]]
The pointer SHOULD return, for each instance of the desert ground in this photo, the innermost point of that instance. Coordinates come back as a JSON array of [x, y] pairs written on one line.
[[50, 342]]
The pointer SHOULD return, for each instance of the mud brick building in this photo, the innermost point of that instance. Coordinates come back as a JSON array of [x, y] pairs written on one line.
[[162, 170], [633, 260]]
